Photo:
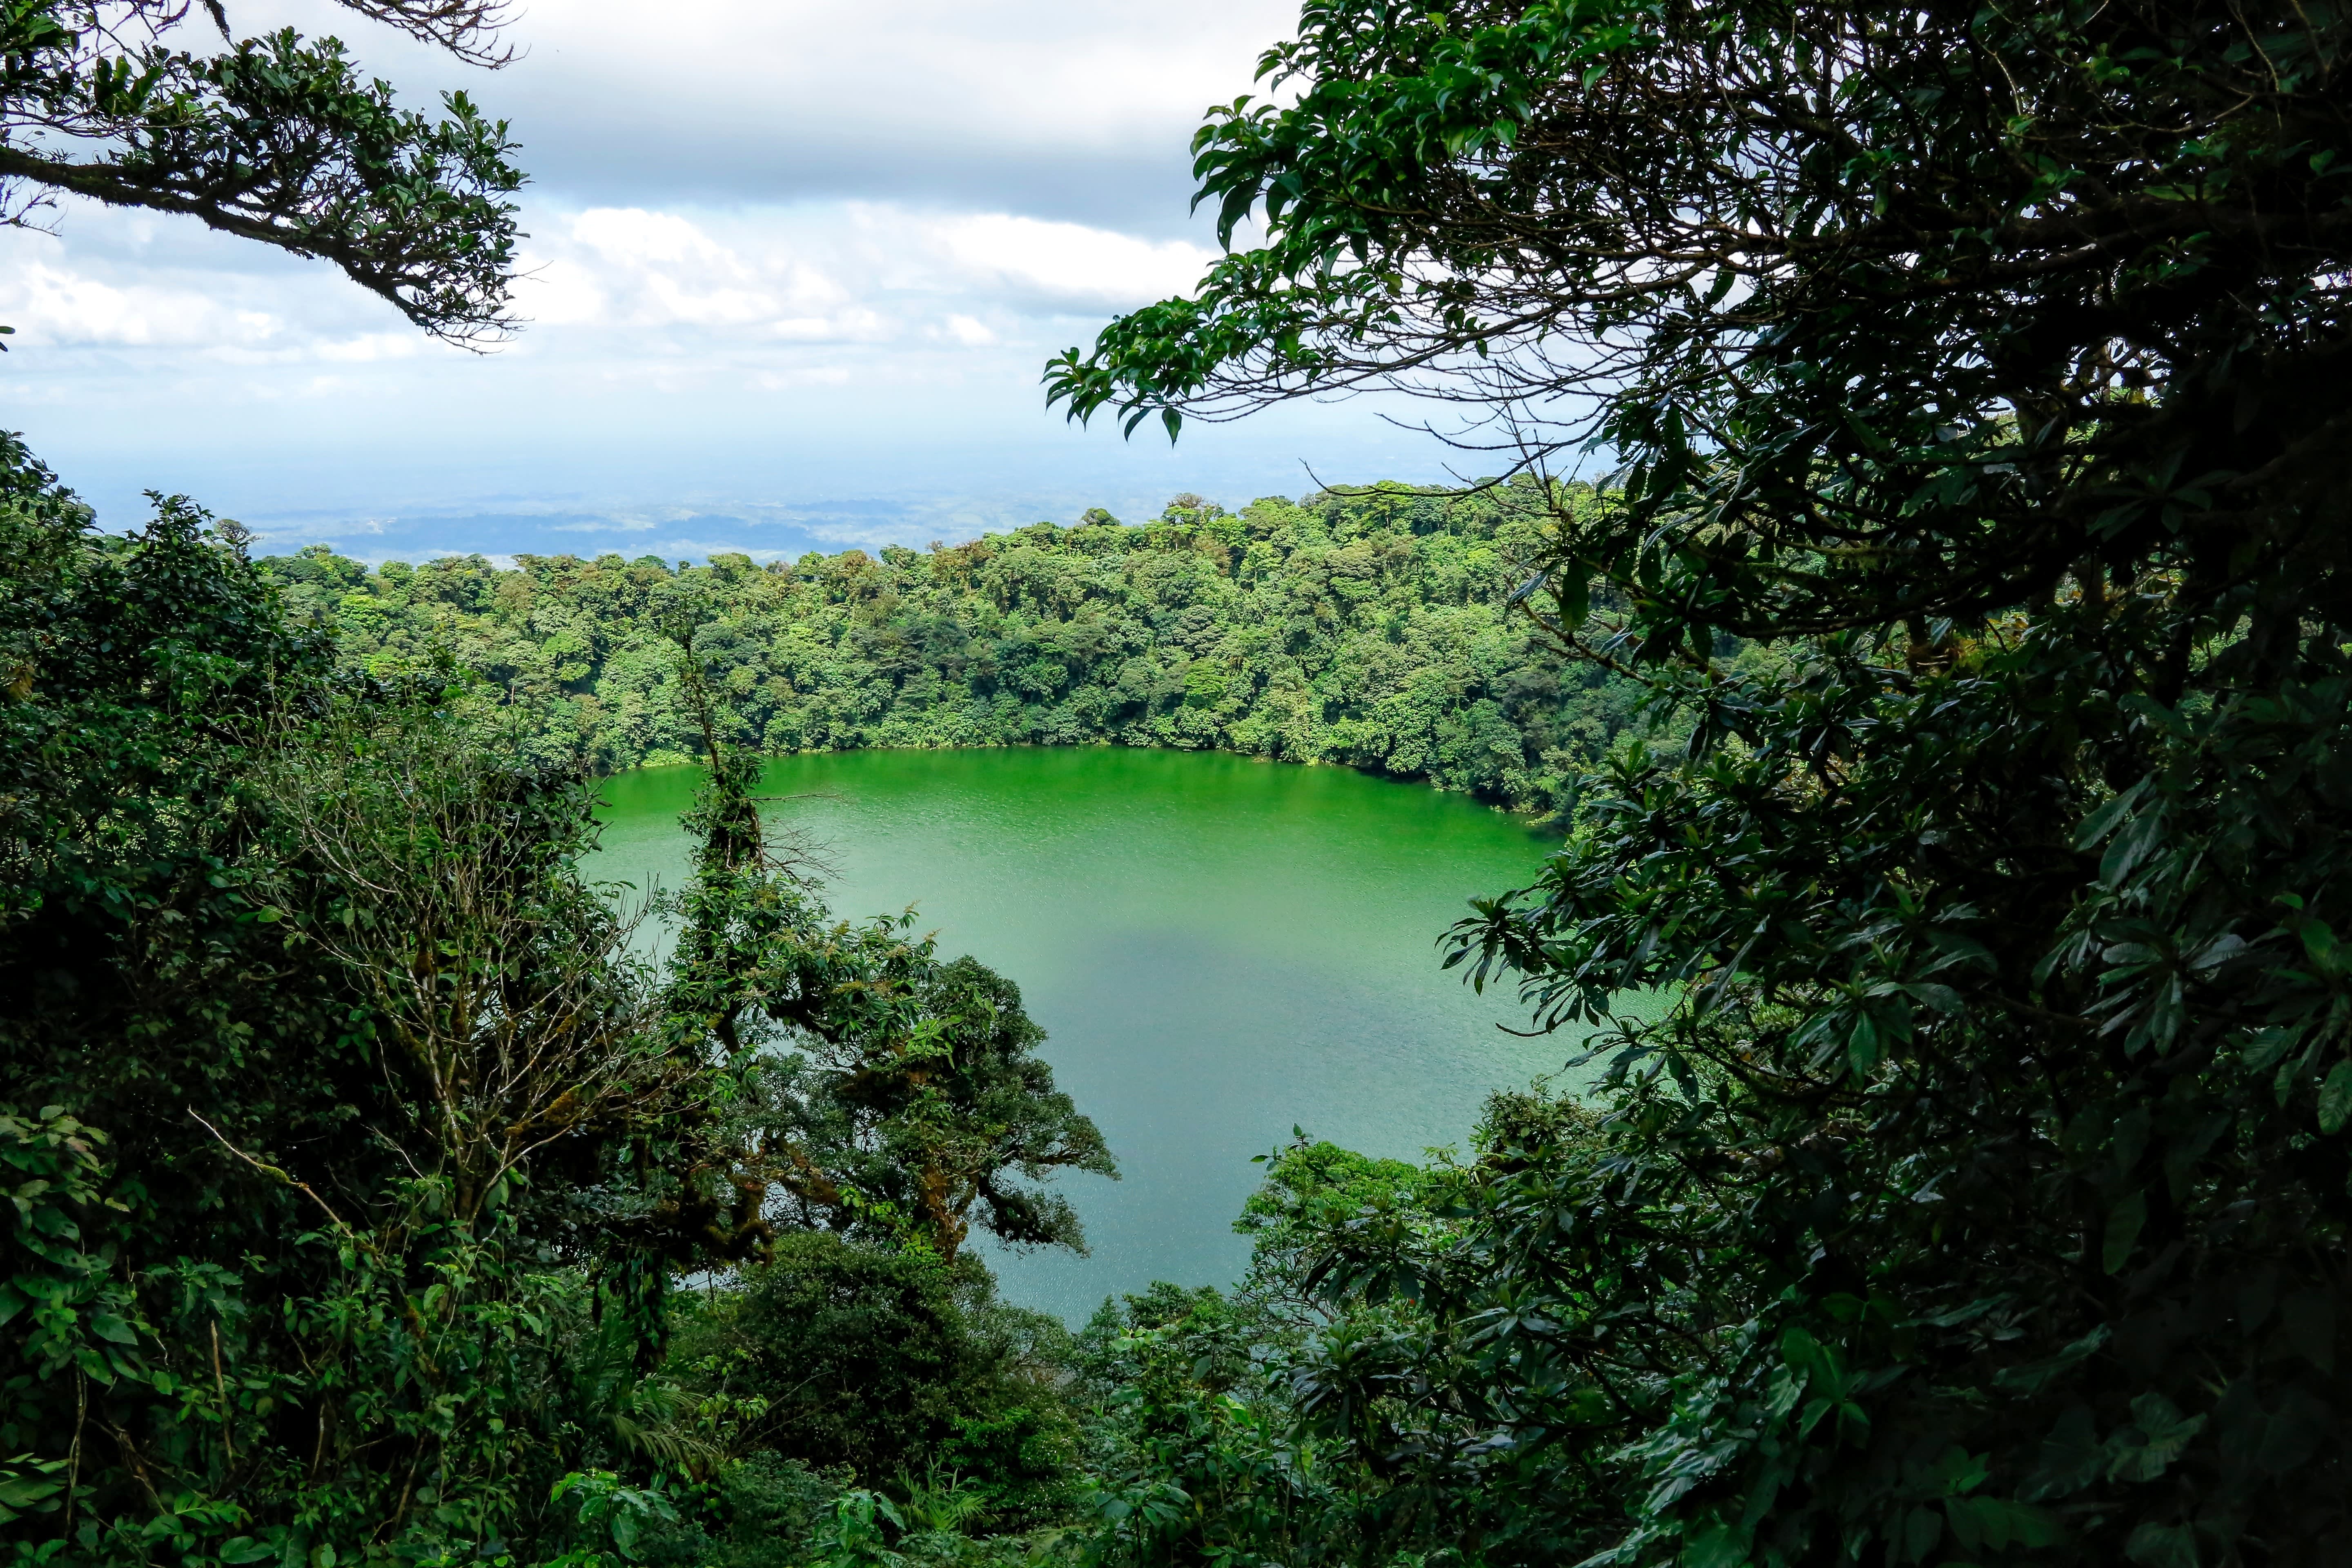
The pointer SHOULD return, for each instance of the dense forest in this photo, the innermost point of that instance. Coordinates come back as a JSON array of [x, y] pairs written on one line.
[[1981, 1194], [1367, 627], [375, 1199]]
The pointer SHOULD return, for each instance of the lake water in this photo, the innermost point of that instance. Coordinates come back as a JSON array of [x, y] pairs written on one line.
[[1219, 948]]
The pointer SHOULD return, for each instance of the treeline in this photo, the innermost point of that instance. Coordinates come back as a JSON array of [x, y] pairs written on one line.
[[1369, 629]]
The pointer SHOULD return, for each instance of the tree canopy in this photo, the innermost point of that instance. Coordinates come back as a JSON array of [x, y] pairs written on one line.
[[279, 139], [1367, 626], [1984, 1198], [1975, 287]]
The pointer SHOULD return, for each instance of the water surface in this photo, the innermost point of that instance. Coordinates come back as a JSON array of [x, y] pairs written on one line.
[[1219, 948]]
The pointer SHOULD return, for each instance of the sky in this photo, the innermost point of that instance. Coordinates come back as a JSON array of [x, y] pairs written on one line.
[[794, 267]]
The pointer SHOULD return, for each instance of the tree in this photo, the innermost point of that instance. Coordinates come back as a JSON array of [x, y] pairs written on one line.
[[320, 1068], [1984, 1194], [838, 1353], [277, 140], [883, 1091]]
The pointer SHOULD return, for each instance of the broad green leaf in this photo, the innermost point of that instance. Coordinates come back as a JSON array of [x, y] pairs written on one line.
[[2336, 1098], [2153, 1545], [2032, 1375], [2071, 1457], [2101, 822], [2122, 1234], [22, 1492], [2158, 1433], [110, 1326], [1719, 1546]]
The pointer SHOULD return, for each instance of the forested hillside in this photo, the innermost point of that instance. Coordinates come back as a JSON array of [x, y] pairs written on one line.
[[1367, 628]]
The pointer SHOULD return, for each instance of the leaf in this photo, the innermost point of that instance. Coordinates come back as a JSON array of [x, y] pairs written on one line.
[[2031, 1375], [2163, 1433], [2163, 1546], [2071, 1457], [1962, 1472], [1996, 1523], [2124, 1222], [1862, 1049], [2293, 1432], [245, 1549], [24, 1491], [2156, 712], [2101, 822], [1723, 1546], [2336, 1098], [2265, 1046], [1922, 1528], [108, 1326], [2133, 845]]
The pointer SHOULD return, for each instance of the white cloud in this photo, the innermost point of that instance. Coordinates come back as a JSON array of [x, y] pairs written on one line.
[[864, 273], [1071, 262], [1069, 109], [789, 248], [756, 288], [63, 303], [971, 333], [371, 346]]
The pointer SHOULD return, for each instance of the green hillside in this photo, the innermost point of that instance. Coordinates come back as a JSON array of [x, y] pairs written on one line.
[[1368, 629]]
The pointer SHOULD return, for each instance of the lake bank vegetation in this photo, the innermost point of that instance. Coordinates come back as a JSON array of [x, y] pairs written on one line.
[[1370, 629], [1982, 1199]]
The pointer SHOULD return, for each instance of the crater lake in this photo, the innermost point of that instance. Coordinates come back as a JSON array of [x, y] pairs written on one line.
[[1221, 949]]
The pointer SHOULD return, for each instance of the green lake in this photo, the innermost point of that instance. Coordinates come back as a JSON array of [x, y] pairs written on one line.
[[1220, 948]]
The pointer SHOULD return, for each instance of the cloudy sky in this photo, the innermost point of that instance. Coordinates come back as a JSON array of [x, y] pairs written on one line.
[[794, 268]]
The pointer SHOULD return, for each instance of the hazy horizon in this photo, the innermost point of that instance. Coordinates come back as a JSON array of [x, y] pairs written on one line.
[[793, 274]]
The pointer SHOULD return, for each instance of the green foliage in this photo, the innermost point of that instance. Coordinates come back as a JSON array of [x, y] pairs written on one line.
[[1194, 1453], [317, 959], [1018, 1464], [71, 1315], [858, 1355], [401, 1143], [1313, 1191], [875, 1395], [1367, 628], [1983, 1196], [1345, 1417], [924, 1125], [886, 1092], [1980, 1197], [279, 140], [892, 1097], [855, 1536], [606, 1511], [770, 1510]]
